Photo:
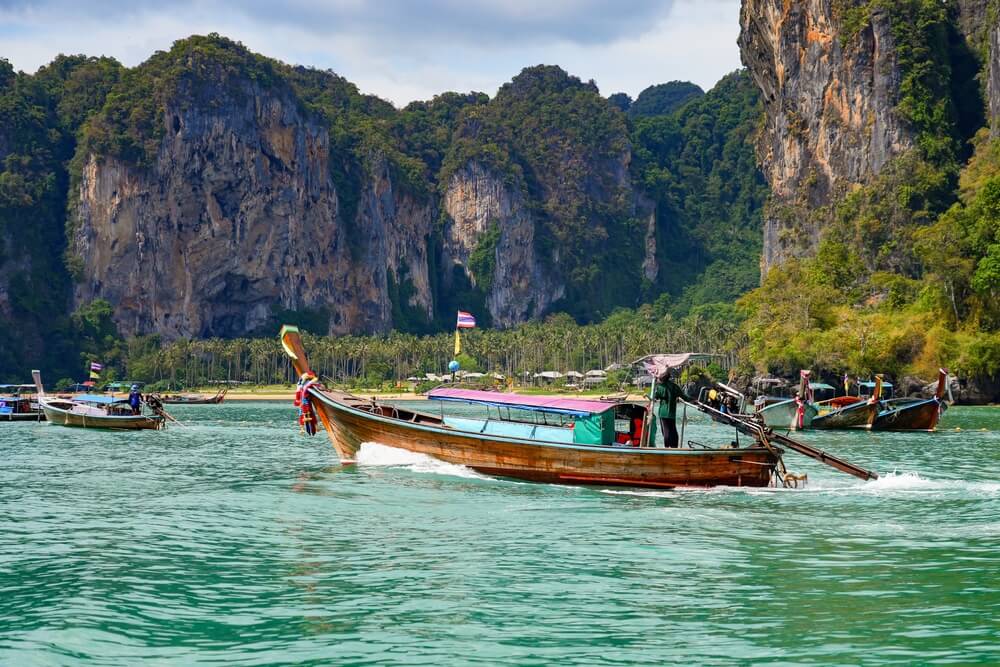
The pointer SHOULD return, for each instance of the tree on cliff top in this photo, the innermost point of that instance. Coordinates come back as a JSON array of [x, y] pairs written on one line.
[[663, 98]]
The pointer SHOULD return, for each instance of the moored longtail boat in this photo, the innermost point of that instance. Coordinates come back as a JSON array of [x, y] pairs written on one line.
[[908, 414], [848, 411], [194, 399], [18, 403], [573, 444], [794, 413], [94, 411]]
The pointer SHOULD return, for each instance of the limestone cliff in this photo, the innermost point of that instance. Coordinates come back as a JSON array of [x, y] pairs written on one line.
[[830, 107], [993, 85], [238, 217], [521, 284]]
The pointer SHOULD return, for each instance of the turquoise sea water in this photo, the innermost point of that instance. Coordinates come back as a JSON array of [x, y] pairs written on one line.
[[237, 541]]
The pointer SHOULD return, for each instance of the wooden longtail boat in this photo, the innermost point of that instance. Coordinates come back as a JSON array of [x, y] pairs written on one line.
[[529, 451], [908, 414], [94, 411], [194, 399], [18, 403], [849, 411], [853, 413], [784, 414], [575, 443]]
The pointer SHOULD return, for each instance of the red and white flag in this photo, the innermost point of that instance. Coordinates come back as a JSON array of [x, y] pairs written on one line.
[[94, 366], [465, 320]]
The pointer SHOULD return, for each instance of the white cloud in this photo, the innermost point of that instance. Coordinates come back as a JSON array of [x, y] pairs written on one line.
[[405, 50]]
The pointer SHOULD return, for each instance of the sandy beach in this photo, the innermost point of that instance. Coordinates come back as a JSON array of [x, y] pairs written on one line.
[[290, 395]]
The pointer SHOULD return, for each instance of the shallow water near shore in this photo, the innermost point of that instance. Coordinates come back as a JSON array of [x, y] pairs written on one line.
[[234, 540]]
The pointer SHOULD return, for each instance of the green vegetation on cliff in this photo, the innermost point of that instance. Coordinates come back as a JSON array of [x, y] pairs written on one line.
[[699, 166], [40, 117], [663, 98], [563, 147], [907, 274], [557, 140]]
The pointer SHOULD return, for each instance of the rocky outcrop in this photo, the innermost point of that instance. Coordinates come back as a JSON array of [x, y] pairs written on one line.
[[238, 218], [993, 82], [522, 285], [830, 104]]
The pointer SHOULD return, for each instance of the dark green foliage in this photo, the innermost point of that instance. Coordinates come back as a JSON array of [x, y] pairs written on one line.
[[313, 320], [483, 260], [80, 84], [199, 70], [555, 138], [39, 119], [425, 129], [461, 295], [406, 317], [663, 98], [853, 16], [620, 101], [699, 166]]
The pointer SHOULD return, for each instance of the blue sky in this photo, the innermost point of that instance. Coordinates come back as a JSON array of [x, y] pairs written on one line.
[[404, 50]]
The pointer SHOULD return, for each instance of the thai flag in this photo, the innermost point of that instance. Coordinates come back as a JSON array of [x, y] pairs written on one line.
[[465, 320], [94, 366]]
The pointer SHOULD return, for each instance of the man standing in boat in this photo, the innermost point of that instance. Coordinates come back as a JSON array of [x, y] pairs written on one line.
[[665, 394], [135, 400]]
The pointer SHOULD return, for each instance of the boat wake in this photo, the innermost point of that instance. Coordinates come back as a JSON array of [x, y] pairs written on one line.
[[911, 481], [889, 483], [376, 455]]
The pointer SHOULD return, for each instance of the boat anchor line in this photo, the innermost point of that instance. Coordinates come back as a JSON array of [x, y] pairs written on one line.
[[750, 425]]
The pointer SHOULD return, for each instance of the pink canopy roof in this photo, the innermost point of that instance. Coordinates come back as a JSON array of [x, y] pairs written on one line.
[[575, 406], [658, 364]]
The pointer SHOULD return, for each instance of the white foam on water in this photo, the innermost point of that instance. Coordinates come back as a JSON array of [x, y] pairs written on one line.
[[910, 482], [374, 454], [673, 493], [893, 482]]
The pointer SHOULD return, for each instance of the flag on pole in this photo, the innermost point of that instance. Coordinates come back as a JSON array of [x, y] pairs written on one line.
[[847, 384], [465, 320], [94, 375], [94, 366], [458, 344]]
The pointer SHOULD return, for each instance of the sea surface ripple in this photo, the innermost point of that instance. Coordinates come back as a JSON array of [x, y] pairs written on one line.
[[235, 540]]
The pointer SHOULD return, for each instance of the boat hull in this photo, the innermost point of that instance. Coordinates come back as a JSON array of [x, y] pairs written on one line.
[[129, 423], [919, 416], [782, 415], [23, 417], [193, 400], [351, 423], [857, 415]]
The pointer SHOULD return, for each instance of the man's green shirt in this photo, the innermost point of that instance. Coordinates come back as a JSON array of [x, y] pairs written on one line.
[[667, 394]]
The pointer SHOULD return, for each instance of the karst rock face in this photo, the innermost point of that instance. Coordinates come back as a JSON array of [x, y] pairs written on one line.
[[237, 218], [831, 89], [523, 284], [993, 88], [830, 118]]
